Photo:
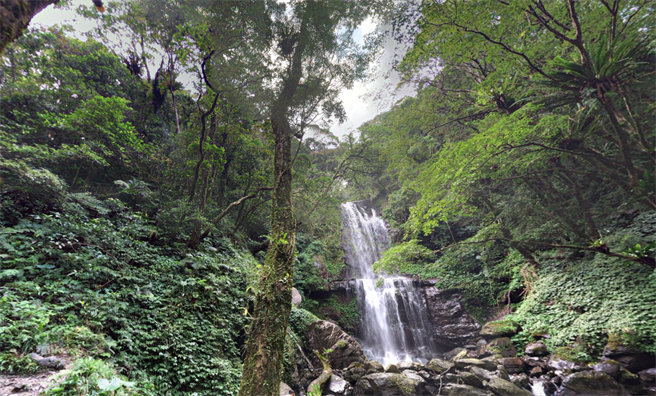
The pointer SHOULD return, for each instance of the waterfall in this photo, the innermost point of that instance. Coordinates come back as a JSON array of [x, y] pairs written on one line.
[[394, 323]]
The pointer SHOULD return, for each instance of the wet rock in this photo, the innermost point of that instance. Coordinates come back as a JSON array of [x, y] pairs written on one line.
[[50, 362], [285, 390], [513, 365], [296, 297], [373, 366], [560, 364], [503, 373], [450, 322], [536, 371], [462, 363], [463, 390], [354, 372], [610, 367], [471, 379], [323, 335], [503, 387], [490, 363], [391, 384], [338, 385], [482, 374], [440, 366], [648, 376], [392, 368], [591, 383], [453, 353], [536, 349], [410, 366], [520, 380], [502, 347], [535, 362], [633, 361], [499, 328], [452, 378]]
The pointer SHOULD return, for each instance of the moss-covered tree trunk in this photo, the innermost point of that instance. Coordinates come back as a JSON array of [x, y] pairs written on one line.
[[273, 302], [15, 15]]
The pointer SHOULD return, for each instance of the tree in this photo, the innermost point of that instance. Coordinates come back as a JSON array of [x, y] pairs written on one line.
[[316, 56]]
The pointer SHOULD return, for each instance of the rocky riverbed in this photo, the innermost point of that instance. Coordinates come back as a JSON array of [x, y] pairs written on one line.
[[489, 367]]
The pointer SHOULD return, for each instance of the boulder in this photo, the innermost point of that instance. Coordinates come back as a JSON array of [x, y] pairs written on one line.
[[502, 387], [285, 390], [463, 390], [440, 366], [648, 376], [391, 384], [610, 367], [536, 371], [354, 372], [499, 328], [296, 297], [520, 380], [50, 362], [536, 349], [373, 366], [471, 379], [323, 335], [338, 385], [450, 322], [633, 361], [591, 383], [502, 347], [392, 368], [513, 365], [462, 363], [482, 374], [453, 353]]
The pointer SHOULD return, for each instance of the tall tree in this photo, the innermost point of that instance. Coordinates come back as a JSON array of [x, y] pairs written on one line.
[[315, 57]]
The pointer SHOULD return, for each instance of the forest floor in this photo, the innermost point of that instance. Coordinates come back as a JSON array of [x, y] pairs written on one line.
[[32, 384]]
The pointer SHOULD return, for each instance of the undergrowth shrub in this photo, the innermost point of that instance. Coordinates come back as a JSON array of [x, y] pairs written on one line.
[[91, 377], [90, 280]]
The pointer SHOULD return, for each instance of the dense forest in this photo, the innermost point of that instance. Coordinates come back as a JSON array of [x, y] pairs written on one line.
[[170, 177]]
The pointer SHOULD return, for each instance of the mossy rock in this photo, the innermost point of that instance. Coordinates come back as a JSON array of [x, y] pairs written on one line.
[[570, 354], [502, 347], [500, 328]]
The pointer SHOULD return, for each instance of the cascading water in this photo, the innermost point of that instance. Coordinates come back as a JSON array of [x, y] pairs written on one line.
[[394, 324]]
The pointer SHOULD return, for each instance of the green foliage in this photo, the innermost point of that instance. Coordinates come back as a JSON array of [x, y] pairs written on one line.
[[89, 283], [349, 316], [300, 319], [589, 299], [406, 258], [94, 378]]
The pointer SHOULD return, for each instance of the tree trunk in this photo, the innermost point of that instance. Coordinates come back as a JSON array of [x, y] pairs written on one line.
[[273, 301], [15, 15]]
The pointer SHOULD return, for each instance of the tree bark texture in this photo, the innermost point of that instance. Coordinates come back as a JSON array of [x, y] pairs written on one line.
[[273, 301], [15, 15]]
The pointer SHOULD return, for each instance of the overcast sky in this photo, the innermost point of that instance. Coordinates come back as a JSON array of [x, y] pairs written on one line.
[[362, 103]]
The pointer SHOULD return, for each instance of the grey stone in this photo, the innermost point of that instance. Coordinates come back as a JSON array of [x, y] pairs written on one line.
[[462, 363], [591, 383], [285, 390], [390, 384], [296, 297], [536, 349], [440, 366], [373, 366], [520, 380], [392, 368], [338, 385], [354, 372], [648, 376], [502, 347], [502, 372], [323, 335], [50, 362], [471, 379], [502, 387], [463, 390], [482, 374], [514, 365], [610, 367], [450, 322], [453, 353]]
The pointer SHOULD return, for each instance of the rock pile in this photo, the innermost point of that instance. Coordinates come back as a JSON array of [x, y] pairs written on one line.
[[491, 368]]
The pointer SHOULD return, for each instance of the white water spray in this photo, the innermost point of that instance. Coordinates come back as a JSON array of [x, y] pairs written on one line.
[[394, 323]]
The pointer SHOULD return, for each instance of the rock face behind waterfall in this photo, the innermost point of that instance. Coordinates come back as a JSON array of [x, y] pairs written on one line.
[[451, 324]]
